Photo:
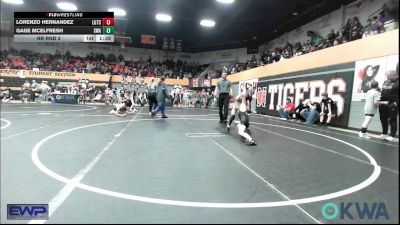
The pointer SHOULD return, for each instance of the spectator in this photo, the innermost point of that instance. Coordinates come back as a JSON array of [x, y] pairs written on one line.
[[275, 57], [356, 29], [315, 41], [328, 109], [311, 111], [210, 96], [336, 42], [297, 110], [45, 91], [35, 90], [286, 111], [331, 37], [346, 32], [367, 31], [389, 112], [377, 26]]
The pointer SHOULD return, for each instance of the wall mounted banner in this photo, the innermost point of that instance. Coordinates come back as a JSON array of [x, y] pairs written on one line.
[[253, 82], [7, 74], [207, 83], [369, 70], [337, 81]]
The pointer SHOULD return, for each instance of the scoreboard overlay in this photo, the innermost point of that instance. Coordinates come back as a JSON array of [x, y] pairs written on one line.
[[64, 26]]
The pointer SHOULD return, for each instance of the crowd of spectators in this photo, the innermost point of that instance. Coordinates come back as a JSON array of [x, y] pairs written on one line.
[[353, 30], [117, 65], [97, 64]]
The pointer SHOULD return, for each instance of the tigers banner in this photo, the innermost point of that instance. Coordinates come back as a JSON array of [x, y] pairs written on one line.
[[336, 81]]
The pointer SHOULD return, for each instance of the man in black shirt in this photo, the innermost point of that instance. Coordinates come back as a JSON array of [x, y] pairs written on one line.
[[389, 112], [327, 109], [297, 111]]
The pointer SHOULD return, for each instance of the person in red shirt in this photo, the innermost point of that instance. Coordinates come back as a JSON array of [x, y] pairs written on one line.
[[286, 111]]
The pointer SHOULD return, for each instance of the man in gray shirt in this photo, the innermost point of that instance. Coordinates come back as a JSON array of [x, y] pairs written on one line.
[[161, 95], [224, 89]]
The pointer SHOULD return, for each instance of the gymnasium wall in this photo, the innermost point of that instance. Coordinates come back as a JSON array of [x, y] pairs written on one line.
[[335, 70]]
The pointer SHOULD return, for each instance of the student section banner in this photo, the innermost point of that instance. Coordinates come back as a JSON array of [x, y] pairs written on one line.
[[337, 81], [370, 70]]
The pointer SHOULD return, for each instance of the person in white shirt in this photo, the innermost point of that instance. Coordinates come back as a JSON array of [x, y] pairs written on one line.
[[372, 103]]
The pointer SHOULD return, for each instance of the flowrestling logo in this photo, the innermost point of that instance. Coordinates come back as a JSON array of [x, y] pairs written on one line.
[[355, 210]]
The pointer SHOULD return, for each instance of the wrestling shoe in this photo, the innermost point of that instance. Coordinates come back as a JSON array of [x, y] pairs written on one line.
[[363, 135], [252, 142]]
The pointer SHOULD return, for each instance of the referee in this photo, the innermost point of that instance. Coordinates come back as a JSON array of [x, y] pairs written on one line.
[[224, 89]]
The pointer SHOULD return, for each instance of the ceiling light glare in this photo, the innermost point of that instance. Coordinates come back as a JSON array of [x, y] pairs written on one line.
[[207, 23], [163, 17], [67, 6], [117, 11], [15, 2], [226, 1]]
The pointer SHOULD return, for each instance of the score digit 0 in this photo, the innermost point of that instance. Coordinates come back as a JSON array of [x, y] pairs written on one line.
[[108, 21], [108, 30]]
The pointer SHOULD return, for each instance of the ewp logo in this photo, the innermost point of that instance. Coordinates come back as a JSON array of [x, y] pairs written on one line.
[[27, 212], [364, 210]]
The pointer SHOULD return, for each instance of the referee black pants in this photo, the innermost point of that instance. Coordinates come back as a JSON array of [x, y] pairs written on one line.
[[223, 102], [388, 115]]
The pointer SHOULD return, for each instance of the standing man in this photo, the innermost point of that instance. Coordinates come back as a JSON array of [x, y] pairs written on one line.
[[161, 96], [35, 90], [249, 96], [224, 89], [45, 91], [388, 112]]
